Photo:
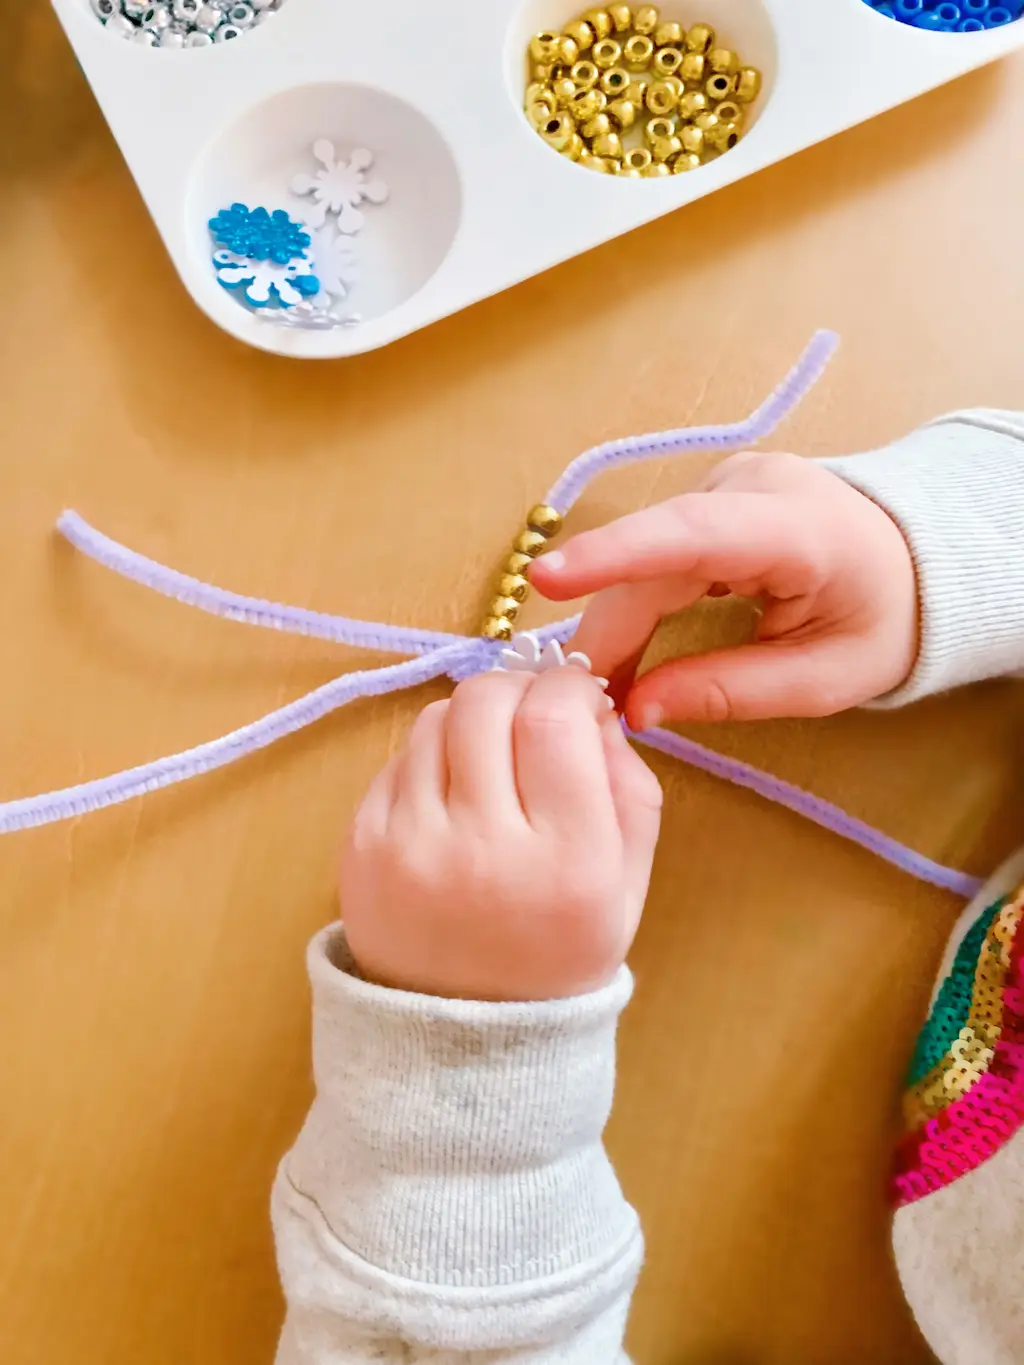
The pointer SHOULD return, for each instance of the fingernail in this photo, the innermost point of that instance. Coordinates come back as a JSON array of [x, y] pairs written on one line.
[[650, 715], [555, 561]]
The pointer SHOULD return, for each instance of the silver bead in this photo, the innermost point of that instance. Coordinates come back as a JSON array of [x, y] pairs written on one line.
[[172, 37], [103, 9], [197, 39], [208, 19], [186, 10], [157, 17], [226, 32], [120, 26], [135, 9], [145, 37], [242, 15]]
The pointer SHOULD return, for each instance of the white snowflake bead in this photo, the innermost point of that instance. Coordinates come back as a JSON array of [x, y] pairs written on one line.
[[340, 187], [525, 655], [334, 264], [266, 282]]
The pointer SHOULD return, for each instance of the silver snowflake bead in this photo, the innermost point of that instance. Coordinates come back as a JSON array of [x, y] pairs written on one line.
[[340, 186]]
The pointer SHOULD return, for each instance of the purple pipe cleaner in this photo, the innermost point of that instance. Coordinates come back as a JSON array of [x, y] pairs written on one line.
[[439, 653]]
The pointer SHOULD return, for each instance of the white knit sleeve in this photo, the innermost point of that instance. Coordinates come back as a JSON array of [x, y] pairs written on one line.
[[956, 490], [449, 1197]]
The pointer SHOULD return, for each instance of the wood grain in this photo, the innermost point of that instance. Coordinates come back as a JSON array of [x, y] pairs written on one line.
[[153, 1009]]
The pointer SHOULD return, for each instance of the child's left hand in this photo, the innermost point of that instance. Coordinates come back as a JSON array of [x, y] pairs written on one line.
[[505, 853]]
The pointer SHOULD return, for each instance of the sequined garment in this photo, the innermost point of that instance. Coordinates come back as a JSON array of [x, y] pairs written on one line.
[[965, 1092]]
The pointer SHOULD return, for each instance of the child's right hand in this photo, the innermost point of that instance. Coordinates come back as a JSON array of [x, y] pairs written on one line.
[[832, 571]]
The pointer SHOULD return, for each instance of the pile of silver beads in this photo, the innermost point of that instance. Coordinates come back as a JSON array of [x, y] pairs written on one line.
[[182, 23], [624, 92]]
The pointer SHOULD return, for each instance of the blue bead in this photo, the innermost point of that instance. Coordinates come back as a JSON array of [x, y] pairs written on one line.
[[971, 26], [929, 19], [908, 10], [949, 13], [307, 284], [887, 10], [995, 18]]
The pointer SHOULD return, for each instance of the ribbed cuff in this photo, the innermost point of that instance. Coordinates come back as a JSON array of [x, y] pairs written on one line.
[[459, 1143], [956, 490]]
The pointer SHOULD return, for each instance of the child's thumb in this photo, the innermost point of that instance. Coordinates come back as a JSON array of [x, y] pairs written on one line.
[[753, 682]]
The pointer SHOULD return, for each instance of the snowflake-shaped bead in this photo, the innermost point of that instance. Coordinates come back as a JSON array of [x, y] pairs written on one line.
[[340, 186], [259, 234], [334, 264], [525, 655], [266, 283]]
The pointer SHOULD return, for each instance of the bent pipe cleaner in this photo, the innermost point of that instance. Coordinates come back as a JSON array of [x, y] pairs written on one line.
[[435, 653]]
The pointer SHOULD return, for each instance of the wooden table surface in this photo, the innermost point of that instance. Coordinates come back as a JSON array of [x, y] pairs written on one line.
[[153, 1007]]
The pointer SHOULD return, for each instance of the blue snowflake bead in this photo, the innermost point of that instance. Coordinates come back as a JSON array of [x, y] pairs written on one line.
[[259, 235]]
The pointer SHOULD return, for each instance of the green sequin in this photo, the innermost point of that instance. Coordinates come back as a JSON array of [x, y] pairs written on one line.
[[953, 1002]]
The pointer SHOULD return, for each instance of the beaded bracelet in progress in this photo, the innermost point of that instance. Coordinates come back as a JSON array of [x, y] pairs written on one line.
[[458, 657]]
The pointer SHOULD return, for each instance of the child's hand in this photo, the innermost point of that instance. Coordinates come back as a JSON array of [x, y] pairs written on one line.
[[505, 854], [832, 570]]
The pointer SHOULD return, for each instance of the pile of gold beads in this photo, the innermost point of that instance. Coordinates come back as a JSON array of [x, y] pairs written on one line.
[[542, 523], [622, 92]]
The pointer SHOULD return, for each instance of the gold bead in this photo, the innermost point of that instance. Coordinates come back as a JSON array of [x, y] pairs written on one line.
[[719, 86], [607, 54], [614, 82], [636, 91], [706, 120], [669, 34], [598, 126], [540, 112], [622, 112], [543, 71], [665, 148], [692, 138], [729, 112], [600, 21], [638, 52], [584, 75], [575, 148], [625, 170], [601, 164], [586, 103], [748, 84], [529, 543], [569, 50], [723, 61], [563, 91], [497, 628], [622, 17], [506, 607], [518, 563], [692, 103], [547, 520], [581, 33], [537, 90], [546, 47], [638, 160], [645, 20], [692, 68], [559, 131], [668, 61], [724, 135], [658, 127], [700, 38], [514, 585], [685, 161], [657, 169], [610, 144], [661, 98]]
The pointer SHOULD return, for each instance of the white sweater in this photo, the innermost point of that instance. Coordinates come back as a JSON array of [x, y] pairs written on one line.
[[449, 1200]]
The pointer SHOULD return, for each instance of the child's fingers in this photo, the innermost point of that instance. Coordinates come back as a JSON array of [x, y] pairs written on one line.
[[618, 624], [421, 784], [753, 682], [559, 755], [723, 537], [481, 768], [637, 797], [370, 822]]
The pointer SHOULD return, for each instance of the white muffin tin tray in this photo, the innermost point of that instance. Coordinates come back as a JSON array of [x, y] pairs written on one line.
[[478, 201]]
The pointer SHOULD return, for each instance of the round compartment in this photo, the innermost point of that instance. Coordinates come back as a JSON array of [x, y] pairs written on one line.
[[181, 25], [950, 16], [256, 158], [744, 26]]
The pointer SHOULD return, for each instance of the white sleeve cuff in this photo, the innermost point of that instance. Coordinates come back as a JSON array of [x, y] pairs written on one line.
[[956, 490]]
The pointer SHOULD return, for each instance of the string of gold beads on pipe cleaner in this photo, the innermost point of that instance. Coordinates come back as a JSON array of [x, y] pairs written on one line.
[[542, 524], [596, 88]]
